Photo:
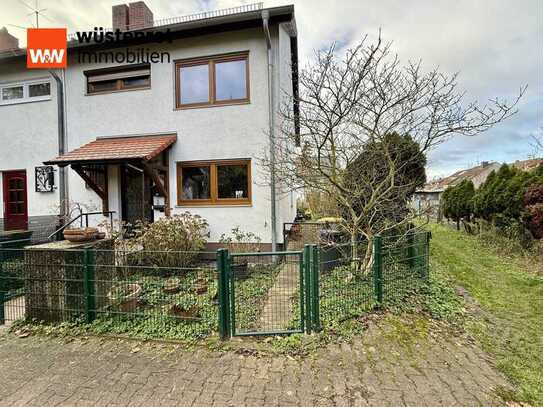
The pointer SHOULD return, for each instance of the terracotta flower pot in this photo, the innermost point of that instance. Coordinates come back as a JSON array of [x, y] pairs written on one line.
[[126, 301], [201, 287], [172, 286], [80, 235]]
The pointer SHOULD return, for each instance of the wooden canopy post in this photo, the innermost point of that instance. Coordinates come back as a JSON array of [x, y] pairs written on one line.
[[152, 170], [100, 190]]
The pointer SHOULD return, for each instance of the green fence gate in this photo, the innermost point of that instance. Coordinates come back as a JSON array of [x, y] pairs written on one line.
[[266, 293]]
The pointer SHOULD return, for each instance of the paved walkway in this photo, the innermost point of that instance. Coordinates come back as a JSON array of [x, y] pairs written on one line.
[[278, 310], [437, 370]]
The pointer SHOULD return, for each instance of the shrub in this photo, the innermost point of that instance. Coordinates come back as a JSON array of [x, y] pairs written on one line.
[[535, 219], [533, 194], [241, 241], [458, 201], [174, 241]]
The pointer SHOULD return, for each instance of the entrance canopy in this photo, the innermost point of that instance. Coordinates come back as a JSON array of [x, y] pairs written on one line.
[[116, 150], [147, 153]]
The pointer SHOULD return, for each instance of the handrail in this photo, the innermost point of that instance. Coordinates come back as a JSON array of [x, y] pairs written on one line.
[[80, 218]]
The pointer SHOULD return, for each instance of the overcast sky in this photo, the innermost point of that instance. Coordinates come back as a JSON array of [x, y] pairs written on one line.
[[496, 45]]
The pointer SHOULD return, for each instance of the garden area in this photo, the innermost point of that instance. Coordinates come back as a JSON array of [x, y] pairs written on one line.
[[143, 288]]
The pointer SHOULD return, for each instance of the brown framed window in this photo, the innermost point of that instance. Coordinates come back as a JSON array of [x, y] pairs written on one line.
[[225, 182], [122, 78], [212, 81]]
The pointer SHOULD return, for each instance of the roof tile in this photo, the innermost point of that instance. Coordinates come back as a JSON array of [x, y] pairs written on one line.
[[119, 148]]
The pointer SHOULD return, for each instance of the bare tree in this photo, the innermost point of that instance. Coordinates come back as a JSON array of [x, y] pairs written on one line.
[[348, 104]]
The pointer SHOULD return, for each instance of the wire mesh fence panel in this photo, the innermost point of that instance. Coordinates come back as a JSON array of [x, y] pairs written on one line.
[[345, 283], [404, 264], [40, 285], [167, 294], [266, 293], [12, 301], [156, 294]]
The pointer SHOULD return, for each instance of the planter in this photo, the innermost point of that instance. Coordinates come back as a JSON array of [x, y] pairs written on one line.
[[187, 314], [125, 296], [172, 286], [80, 235], [201, 287]]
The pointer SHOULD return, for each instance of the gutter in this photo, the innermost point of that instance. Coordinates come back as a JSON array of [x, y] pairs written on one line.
[[63, 204], [271, 119]]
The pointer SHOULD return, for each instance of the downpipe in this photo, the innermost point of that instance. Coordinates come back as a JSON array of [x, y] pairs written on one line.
[[61, 145], [271, 119]]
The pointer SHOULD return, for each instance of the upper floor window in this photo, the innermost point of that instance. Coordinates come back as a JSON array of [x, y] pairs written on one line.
[[31, 91], [219, 80], [119, 78]]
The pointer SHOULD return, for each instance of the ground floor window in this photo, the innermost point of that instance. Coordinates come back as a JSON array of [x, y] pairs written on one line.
[[225, 182]]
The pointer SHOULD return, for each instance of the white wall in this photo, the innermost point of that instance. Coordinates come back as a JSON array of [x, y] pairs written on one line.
[[29, 136], [29, 132], [203, 134], [286, 201]]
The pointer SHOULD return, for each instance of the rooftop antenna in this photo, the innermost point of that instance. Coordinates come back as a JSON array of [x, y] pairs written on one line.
[[36, 11]]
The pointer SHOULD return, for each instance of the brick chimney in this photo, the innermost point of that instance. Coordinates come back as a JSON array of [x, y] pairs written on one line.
[[133, 16], [139, 16], [119, 16], [7, 41]]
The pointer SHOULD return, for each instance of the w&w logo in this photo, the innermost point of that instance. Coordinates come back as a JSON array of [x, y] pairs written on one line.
[[46, 48]]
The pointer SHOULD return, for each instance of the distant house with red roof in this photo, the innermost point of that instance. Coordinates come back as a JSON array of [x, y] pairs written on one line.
[[427, 198]]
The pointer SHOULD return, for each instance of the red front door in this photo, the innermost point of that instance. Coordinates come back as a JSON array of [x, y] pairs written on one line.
[[15, 201]]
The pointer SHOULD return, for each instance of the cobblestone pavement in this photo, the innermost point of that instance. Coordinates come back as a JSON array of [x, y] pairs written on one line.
[[375, 370]]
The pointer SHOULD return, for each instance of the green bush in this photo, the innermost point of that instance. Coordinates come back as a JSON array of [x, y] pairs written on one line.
[[502, 195], [458, 201], [174, 241], [240, 241]]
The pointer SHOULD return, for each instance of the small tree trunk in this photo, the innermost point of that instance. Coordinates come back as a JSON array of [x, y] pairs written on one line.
[[458, 224], [354, 252]]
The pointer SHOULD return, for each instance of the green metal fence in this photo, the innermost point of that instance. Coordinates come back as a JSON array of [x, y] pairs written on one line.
[[122, 292], [193, 295]]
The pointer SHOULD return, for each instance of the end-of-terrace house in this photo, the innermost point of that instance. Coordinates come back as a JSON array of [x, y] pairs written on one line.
[[152, 138]]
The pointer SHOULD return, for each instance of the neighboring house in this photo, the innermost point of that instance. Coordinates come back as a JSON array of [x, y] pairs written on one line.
[[427, 199], [527, 165], [151, 140]]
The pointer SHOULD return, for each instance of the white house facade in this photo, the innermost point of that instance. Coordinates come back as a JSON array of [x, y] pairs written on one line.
[[147, 140]]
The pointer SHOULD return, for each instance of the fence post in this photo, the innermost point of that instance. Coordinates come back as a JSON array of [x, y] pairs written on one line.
[[307, 291], [315, 274], [411, 252], [88, 284], [2, 316], [378, 268], [426, 267], [224, 313]]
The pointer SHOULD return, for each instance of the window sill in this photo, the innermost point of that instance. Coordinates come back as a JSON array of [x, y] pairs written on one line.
[[245, 102], [242, 205], [107, 92], [20, 102]]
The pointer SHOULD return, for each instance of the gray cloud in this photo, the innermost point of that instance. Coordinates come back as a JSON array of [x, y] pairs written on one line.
[[494, 44]]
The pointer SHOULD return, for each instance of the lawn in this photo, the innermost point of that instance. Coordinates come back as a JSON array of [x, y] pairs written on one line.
[[506, 304]]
